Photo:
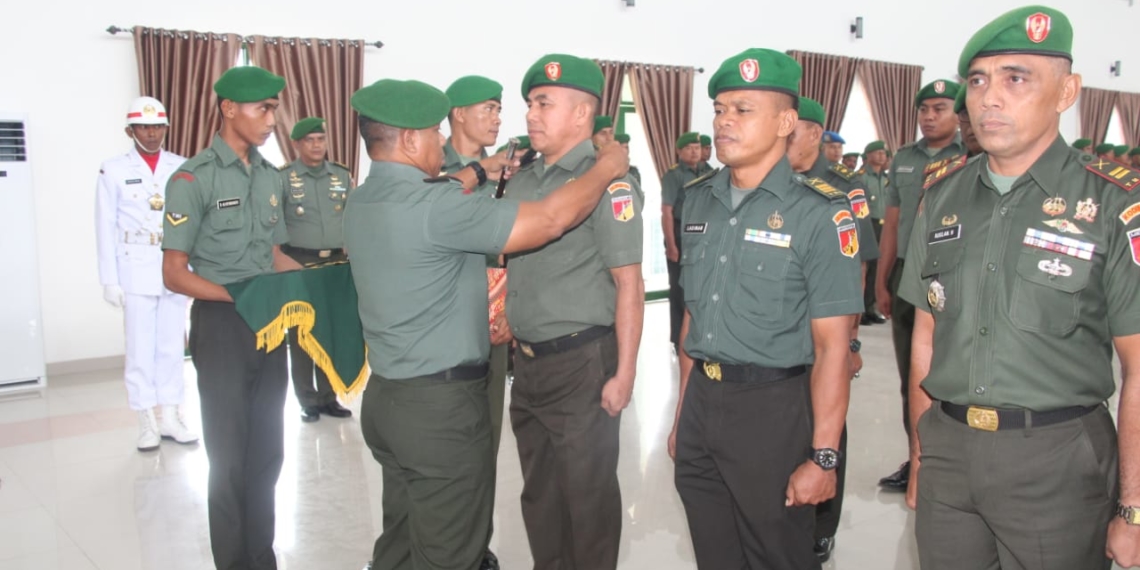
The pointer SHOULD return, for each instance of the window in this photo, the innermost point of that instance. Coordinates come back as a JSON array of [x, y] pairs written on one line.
[[858, 127], [271, 150], [653, 269], [1115, 132]]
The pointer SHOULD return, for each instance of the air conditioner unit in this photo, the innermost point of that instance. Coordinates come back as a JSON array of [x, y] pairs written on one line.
[[21, 325]]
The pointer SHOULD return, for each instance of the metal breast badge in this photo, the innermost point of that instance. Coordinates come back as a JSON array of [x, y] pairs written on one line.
[[936, 296], [156, 202]]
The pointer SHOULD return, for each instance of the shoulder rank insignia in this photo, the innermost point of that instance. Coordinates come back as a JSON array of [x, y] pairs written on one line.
[[701, 178], [826, 190], [438, 179], [861, 171], [954, 165], [842, 171], [1117, 174], [675, 165], [937, 164]]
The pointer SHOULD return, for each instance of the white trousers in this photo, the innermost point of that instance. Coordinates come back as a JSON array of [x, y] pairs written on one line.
[[155, 327]]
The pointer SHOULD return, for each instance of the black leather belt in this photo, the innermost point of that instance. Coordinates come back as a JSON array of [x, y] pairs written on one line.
[[741, 373], [993, 419], [563, 343], [461, 372], [318, 253]]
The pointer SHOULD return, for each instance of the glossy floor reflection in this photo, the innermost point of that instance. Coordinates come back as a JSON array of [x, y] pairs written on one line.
[[75, 494]]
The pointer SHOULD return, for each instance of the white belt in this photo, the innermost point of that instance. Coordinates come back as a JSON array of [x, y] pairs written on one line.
[[142, 238]]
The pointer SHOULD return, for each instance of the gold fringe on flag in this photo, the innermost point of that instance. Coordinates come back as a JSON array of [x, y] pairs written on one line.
[[301, 314]]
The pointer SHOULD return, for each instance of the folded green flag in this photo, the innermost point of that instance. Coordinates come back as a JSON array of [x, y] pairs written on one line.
[[321, 303]]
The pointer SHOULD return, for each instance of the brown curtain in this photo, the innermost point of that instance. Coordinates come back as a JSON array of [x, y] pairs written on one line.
[[663, 96], [890, 91], [320, 78], [828, 80], [1096, 112], [614, 73], [179, 69], [1129, 106]]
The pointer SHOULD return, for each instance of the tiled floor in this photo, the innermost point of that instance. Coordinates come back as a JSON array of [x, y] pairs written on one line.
[[75, 494]]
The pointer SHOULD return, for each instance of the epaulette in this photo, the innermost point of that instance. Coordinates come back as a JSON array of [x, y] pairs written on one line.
[[861, 171], [1118, 174], [284, 167], [438, 179], [843, 172], [204, 157], [335, 163], [932, 177], [826, 190], [701, 178], [675, 165], [938, 164]]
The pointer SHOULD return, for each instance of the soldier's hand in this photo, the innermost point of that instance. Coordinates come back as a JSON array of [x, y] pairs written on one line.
[[673, 442], [495, 164], [616, 394], [672, 253], [883, 300], [855, 364], [613, 158], [1123, 543], [501, 330], [809, 485], [113, 294], [912, 484]]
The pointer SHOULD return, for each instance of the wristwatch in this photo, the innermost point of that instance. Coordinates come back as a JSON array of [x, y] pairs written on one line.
[[826, 458], [1131, 515], [856, 345], [480, 173]]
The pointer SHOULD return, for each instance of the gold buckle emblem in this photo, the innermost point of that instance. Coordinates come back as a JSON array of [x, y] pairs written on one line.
[[324, 253], [982, 418], [526, 349], [712, 370]]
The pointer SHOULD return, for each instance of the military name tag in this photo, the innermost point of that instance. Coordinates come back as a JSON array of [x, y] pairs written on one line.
[[134, 181], [229, 203], [945, 234], [905, 169], [697, 228]]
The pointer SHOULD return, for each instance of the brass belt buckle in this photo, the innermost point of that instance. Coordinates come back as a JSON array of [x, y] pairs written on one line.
[[526, 349], [982, 418], [325, 253], [712, 370]]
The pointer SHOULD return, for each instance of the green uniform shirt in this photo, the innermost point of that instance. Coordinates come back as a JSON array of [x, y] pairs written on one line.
[[875, 184], [908, 172], [453, 163], [635, 174], [225, 215], [846, 181], [1029, 290], [314, 204], [754, 276], [565, 286], [418, 263], [673, 185]]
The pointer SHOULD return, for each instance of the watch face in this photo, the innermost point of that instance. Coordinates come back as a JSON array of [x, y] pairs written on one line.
[[826, 458]]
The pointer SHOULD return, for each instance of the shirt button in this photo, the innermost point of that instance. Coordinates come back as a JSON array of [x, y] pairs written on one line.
[[723, 258], [980, 390], [732, 222], [991, 267], [716, 297], [984, 331], [1004, 210], [709, 336]]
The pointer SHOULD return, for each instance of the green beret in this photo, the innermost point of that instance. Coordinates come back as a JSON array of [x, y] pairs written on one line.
[[1037, 30], [563, 70], [403, 104], [688, 139], [960, 100], [1104, 147], [706, 140], [622, 138], [524, 143], [603, 122], [941, 89], [247, 84], [306, 126], [873, 146], [1081, 144], [811, 110], [1134, 152], [473, 89], [851, 154], [1121, 150], [757, 68]]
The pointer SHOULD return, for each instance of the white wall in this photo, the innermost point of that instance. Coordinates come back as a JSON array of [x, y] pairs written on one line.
[[74, 80]]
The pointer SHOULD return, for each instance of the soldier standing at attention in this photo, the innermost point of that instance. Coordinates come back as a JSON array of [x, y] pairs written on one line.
[[875, 181], [687, 169], [706, 153], [603, 131], [623, 140]]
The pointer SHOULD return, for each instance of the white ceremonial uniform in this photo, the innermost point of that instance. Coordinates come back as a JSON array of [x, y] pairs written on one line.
[[129, 202]]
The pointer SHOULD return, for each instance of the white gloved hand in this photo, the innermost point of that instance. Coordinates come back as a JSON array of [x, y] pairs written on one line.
[[113, 294]]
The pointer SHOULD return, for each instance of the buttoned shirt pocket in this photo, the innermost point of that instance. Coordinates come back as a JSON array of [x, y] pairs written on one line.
[[227, 227], [762, 277], [1047, 291], [693, 275], [942, 274]]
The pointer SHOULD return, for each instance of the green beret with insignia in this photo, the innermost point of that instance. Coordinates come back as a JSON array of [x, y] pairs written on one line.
[[960, 100], [603, 122], [811, 110], [473, 89], [1104, 147], [1120, 150], [1134, 152], [307, 126], [403, 104], [622, 138], [1081, 144], [757, 68], [247, 84], [561, 70], [1037, 30], [706, 140], [524, 143], [688, 139], [940, 89], [850, 154], [873, 146]]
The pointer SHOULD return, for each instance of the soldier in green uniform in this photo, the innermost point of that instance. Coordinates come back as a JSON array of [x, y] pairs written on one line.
[[939, 145], [623, 140], [1083, 145], [315, 194], [224, 210], [575, 308], [1121, 153], [1106, 151], [833, 146], [850, 160], [603, 131], [1134, 157], [419, 249], [687, 169], [706, 153], [965, 128], [875, 182], [1025, 265], [806, 157], [771, 273]]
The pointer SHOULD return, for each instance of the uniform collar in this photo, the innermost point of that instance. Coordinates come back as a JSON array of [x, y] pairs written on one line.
[[820, 167], [300, 166], [697, 170], [452, 156], [956, 144], [228, 156], [571, 160], [778, 182], [398, 170], [1046, 171]]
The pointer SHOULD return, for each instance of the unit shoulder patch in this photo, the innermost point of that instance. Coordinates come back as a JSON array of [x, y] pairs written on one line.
[[701, 178], [935, 176], [826, 190], [1117, 174], [844, 172]]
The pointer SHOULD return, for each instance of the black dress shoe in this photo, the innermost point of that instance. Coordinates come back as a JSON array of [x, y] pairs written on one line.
[[865, 320], [310, 414], [490, 562], [878, 319], [823, 548], [898, 480], [335, 410]]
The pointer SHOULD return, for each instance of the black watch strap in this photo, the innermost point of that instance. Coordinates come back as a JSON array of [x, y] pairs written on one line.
[[480, 173]]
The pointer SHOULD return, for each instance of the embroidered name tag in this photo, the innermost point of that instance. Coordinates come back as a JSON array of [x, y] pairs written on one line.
[[905, 169], [229, 203], [1058, 244], [134, 181], [768, 238], [697, 228], [945, 234]]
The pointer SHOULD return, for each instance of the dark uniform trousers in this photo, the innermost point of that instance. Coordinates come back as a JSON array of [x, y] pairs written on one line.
[[301, 366], [1020, 499], [676, 293], [737, 446], [433, 440], [568, 448], [902, 327], [497, 393], [872, 269], [242, 391]]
